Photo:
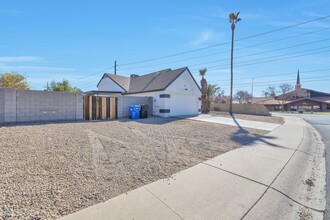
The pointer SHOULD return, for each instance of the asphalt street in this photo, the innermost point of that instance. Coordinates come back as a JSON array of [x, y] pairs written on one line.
[[322, 124]]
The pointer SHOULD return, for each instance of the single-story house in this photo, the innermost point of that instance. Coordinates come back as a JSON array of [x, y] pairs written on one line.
[[174, 92], [298, 99]]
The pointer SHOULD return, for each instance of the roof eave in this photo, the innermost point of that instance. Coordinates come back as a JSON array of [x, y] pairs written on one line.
[[155, 90]]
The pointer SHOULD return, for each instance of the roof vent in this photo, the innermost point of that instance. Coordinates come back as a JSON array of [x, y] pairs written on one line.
[[134, 75]]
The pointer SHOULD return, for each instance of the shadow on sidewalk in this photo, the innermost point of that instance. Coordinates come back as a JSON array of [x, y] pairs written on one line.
[[244, 137]]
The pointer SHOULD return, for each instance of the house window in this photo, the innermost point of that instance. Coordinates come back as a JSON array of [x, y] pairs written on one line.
[[164, 110], [164, 96]]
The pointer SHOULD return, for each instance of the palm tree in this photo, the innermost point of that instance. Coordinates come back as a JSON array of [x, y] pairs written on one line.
[[204, 90], [211, 90], [233, 19]]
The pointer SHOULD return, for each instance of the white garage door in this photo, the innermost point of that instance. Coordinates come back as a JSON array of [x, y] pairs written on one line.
[[184, 105]]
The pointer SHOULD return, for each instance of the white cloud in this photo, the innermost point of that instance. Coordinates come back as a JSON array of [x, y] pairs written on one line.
[[202, 38], [19, 59]]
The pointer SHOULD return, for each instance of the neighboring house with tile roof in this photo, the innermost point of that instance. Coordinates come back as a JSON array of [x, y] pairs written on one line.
[[174, 92], [300, 98]]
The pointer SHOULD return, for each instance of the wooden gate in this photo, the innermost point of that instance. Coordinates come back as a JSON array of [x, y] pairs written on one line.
[[100, 108]]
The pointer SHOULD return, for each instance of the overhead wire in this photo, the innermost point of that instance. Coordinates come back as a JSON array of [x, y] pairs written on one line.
[[263, 76], [226, 51], [271, 75], [216, 45]]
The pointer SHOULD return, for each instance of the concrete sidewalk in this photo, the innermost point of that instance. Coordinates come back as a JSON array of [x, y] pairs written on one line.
[[234, 122], [280, 176]]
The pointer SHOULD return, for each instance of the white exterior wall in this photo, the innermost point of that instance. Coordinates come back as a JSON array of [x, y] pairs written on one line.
[[184, 98], [108, 84]]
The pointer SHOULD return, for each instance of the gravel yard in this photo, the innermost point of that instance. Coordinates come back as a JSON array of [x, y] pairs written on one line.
[[51, 170]]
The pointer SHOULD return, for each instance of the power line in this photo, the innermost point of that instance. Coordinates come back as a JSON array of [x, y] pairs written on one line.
[[255, 77], [248, 55], [286, 38], [268, 82], [91, 74], [264, 61], [226, 51], [216, 45], [281, 74], [285, 58], [282, 55], [278, 81], [248, 85], [263, 52], [176, 54]]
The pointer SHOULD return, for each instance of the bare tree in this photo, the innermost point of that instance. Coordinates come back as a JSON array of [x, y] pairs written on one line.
[[284, 88], [286, 93], [242, 96], [270, 92], [220, 98]]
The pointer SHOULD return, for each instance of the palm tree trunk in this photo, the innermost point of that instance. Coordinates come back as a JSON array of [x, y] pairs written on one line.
[[204, 95]]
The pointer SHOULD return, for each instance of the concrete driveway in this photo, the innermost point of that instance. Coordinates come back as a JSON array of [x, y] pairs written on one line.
[[234, 122]]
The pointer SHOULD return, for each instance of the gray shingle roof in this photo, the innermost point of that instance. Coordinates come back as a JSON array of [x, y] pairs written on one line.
[[150, 82], [122, 81]]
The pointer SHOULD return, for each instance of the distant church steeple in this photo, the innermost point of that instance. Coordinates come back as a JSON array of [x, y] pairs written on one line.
[[298, 85]]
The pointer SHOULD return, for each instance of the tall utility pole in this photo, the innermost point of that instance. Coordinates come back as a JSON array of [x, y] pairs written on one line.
[[233, 19], [252, 89], [115, 66]]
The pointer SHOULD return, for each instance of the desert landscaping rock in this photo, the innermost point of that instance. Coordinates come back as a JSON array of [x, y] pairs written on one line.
[[50, 170]]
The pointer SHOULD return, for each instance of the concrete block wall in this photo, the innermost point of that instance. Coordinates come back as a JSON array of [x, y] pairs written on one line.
[[125, 101], [79, 106], [2, 106], [10, 105], [253, 109], [30, 105]]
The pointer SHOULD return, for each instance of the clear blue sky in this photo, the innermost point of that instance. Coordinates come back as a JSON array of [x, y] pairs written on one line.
[[79, 40]]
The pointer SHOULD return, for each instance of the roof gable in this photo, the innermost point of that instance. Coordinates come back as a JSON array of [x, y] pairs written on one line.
[[121, 81], [302, 93], [318, 94], [191, 76], [150, 82]]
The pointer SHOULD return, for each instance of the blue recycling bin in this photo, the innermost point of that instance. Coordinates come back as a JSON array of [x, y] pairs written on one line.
[[134, 111]]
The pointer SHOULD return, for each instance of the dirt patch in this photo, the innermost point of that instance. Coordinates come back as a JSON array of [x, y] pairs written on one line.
[[270, 119], [305, 214], [309, 183], [50, 170]]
